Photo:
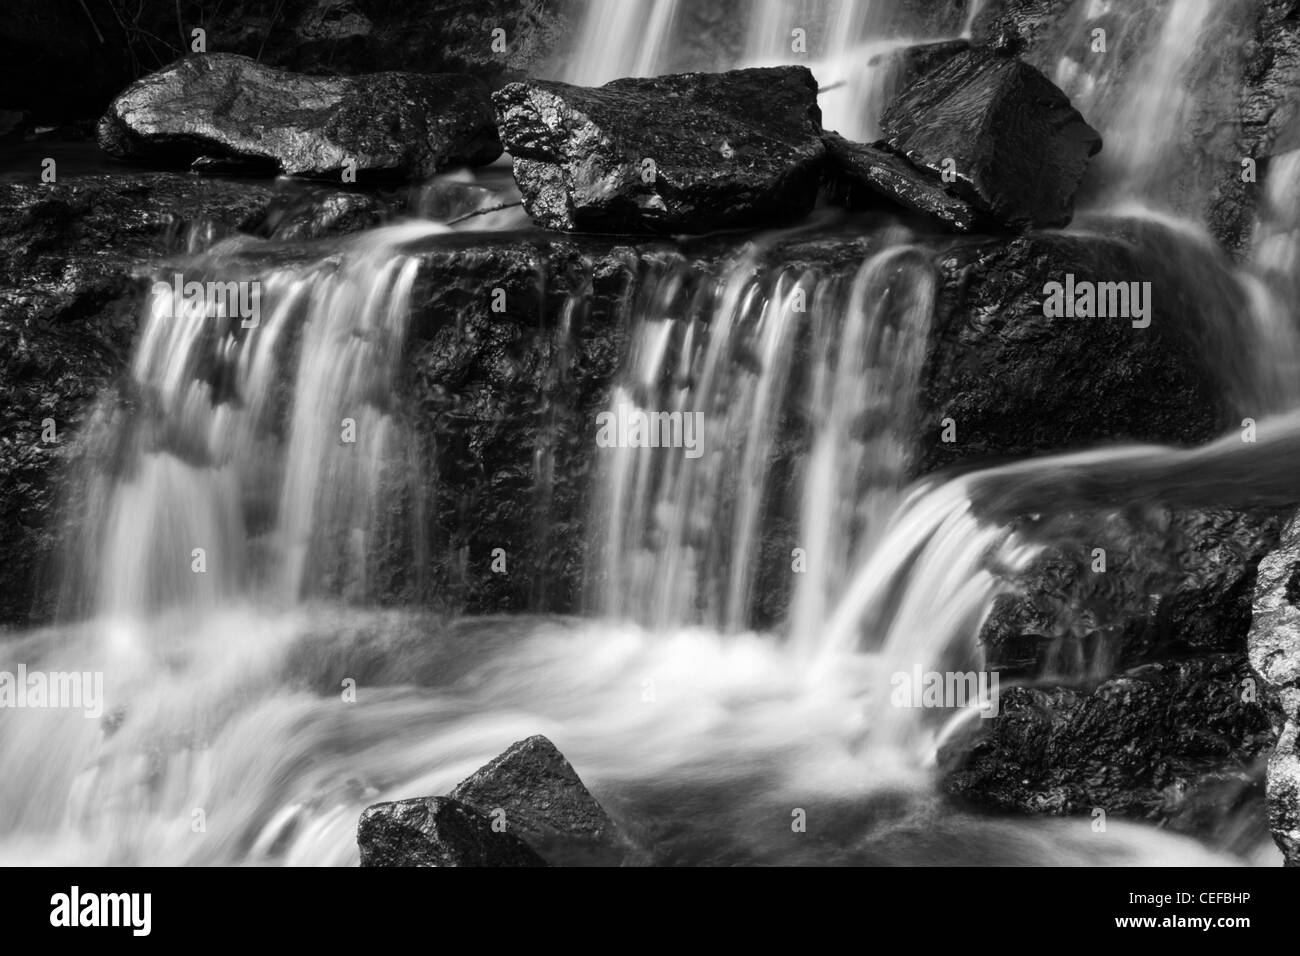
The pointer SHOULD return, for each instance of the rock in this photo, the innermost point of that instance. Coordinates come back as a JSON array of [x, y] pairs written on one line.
[[690, 152], [396, 124], [1167, 743], [1012, 25], [1274, 651], [1017, 382], [1177, 583], [860, 176], [1020, 149], [546, 803], [436, 831], [912, 62]]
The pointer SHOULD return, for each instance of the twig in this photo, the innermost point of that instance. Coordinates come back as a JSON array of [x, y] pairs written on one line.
[[93, 25], [481, 212]]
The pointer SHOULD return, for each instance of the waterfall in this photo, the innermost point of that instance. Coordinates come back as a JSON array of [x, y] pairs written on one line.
[[848, 44], [753, 357], [223, 485], [759, 567]]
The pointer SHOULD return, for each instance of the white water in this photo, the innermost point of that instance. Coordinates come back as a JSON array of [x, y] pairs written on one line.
[[699, 734]]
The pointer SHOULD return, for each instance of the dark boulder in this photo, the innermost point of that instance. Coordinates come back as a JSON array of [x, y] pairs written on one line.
[[437, 831], [394, 124], [1016, 382], [1176, 743], [861, 176], [686, 153], [1274, 651], [1015, 145], [546, 803]]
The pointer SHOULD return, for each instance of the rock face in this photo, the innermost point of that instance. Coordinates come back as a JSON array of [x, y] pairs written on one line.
[[686, 153], [861, 176], [1173, 742], [1019, 148], [1274, 650], [546, 803], [1175, 584], [396, 124], [437, 831]]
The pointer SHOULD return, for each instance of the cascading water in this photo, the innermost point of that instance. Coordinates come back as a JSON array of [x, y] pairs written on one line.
[[711, 682], [682, 534]]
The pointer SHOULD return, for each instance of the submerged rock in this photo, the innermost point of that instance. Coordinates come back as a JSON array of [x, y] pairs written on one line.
[[1017, 147], [546, 803], [860, 176], [436, 831], [691, 152], [397, 124], [1274, 651]]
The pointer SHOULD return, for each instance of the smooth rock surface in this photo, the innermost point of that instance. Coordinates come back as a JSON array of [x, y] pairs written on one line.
[[1019, 148], [396, 124], [436, 831], [691, 152]]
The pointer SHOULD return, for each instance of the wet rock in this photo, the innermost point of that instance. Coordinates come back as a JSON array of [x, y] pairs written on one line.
[[861, 177], [437, 831], [1018, 148], [69, 297], [1274, 651], [546, 803], [394, 124], [1174, 742], [911, 63], [1174, 583], [1016, 382], [1013, 25], [686, 153]]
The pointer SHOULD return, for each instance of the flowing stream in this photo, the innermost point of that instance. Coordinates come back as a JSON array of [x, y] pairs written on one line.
[[702, 697]]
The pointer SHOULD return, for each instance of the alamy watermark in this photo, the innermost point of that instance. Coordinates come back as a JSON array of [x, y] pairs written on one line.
[[1084, 299], [943, 689], [241, 300], [54, 690], [631, 427]]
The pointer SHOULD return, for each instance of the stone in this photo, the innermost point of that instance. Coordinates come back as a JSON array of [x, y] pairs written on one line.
[[436, 831], [400, 125], [687, 153], [1017, 147], [545, 802], [860, 176], [1273, 646]]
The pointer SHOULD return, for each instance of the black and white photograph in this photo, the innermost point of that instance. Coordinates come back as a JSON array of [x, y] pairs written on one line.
[[649, 434]]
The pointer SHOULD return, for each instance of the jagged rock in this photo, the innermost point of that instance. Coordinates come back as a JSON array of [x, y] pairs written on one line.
[[545, 802], [686, 153], [1018, 147], [859, 176], [1161, 743], [436, 831], [1274, 651], [396, 124]]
